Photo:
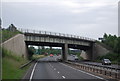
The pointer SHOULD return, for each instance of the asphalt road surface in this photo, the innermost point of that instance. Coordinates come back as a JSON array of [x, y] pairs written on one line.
[[55, 57], [57, 70], [71, 58], [48, 58]]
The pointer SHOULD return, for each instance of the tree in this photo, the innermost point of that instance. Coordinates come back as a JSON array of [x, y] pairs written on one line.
[[31, 51]]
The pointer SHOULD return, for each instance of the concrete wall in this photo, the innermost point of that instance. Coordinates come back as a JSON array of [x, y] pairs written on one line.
[[83, 54], [86, 55], [99, 50], [17, 45]]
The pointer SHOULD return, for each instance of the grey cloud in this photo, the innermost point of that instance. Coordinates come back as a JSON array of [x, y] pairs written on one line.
[[58, 18]]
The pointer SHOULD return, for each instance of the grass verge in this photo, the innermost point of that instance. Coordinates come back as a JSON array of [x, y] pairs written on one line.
[[11, 65], [35, 56]]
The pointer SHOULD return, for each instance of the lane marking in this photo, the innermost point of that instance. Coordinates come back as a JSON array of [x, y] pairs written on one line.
[[26, 73], [84, 72], [51, 65], [33, 72], [63, 76], [58, 72]]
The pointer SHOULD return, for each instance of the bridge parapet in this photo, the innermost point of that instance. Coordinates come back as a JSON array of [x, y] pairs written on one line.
[[55, 34], [55, 40]]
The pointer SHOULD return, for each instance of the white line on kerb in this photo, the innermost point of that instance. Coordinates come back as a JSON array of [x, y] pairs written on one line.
[[63, 76], [85, 72], [33, 71]]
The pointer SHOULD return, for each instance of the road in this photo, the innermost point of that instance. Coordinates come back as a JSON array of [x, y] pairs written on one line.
[[48, 58], [57, 70], [71, 58]]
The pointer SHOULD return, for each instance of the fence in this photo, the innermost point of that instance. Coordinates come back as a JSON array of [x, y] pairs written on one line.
[[107, 71]]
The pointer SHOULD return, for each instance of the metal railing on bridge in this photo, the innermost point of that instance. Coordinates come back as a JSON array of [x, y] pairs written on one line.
[[54, 33]]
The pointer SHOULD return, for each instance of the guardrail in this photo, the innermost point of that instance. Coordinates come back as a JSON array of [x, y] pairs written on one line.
[[107, 71], [24, 65], [54, 33]]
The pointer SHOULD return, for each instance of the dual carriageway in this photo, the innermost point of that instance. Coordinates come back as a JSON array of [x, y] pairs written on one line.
[[49, 68]]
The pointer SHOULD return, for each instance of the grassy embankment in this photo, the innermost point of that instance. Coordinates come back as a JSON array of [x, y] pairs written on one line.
[[6, 34], [36, 56], [11, 66]]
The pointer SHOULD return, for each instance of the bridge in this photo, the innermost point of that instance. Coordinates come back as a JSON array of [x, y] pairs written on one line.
[[44, 38], [52, 39]]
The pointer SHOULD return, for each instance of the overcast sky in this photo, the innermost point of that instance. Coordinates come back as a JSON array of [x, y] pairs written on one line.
[[89, 18]]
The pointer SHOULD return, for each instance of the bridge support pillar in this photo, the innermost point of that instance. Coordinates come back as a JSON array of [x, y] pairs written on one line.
[[42, 47], [91, 53], [39, 50], [64, 52], [50, 48]]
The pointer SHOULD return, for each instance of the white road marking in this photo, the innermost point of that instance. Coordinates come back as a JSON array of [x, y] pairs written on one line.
[[33, 71], [63, 76], [58, 72], [85, 72], [51, 65], [26, 73]]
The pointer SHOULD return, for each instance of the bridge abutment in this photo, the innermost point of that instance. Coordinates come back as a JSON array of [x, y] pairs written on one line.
[[99, 50], [89, 54], [16, 45]]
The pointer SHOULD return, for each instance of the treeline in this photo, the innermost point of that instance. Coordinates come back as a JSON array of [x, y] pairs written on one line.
[[113, 42], [47, 51], [51, 51], [9, 32]]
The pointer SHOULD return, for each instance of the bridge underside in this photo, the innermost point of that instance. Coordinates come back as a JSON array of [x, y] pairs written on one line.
[[64, 47], [57, 45]]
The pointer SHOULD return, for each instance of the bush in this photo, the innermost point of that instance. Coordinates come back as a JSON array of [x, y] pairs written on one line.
[[112, 56], [30, 53], [81, 58]]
